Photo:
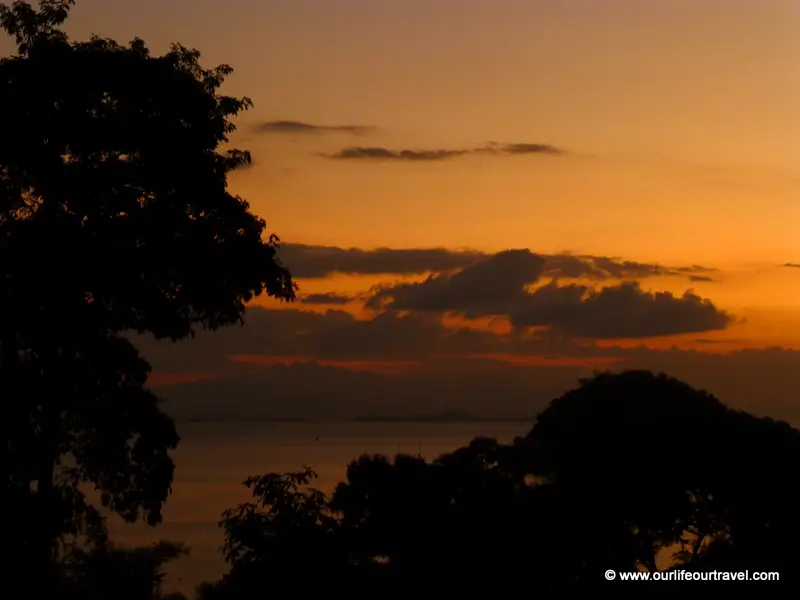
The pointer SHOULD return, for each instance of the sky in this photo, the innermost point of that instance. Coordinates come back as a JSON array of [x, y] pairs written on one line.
[[486, 199]]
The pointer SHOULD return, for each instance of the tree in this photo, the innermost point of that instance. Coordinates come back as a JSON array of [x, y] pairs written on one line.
[[289, 530], [650, 464], [115, 217], [463, 517], [459, 516], [624, 470], [637, 444]]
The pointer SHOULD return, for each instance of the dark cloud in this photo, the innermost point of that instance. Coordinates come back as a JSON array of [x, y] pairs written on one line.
[[700, 278], [601, 268], [621, 311], [497, 286], [480, 386], [485, 288], [338, 335], [360, 152], [300, 127], [791, 265], [521, 148], [327, 298], [695, 269], [380, 153], [308, 261], [763, 381]]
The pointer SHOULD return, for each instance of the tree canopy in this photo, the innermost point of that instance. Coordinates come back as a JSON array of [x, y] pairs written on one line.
[[115, 217]]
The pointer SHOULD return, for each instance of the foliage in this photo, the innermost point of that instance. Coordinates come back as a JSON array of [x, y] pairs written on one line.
[[629, 471], [287, 530], [114, 217]]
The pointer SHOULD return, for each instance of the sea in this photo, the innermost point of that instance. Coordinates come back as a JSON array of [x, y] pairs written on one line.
[[214, 458]]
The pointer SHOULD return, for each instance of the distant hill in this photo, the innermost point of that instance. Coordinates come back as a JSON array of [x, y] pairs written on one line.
[[446, 416]]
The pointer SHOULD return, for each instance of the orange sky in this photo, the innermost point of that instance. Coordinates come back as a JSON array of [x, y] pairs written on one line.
[[679, 121]]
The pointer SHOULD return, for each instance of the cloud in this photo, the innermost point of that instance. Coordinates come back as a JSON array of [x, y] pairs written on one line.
[[695, 269], [360, 152], [459, 371], [331, 298], [308, 128], [337, 335], [309, 262], [403, 359], [521, 148], [621, 311], [385, 154], [791, 265], [497, 286], [601, 268], [700, 278], [485, 288]]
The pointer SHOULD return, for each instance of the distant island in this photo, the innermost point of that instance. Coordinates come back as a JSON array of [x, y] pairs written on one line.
[[446, 416]]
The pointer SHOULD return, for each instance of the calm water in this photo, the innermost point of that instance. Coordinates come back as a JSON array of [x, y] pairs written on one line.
[[214, 459]]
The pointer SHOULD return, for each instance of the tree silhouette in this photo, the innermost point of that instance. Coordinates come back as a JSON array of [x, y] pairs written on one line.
[[629, 471], [114, 217], [457, 517], [659, 464], [289, 530], [637, 447]]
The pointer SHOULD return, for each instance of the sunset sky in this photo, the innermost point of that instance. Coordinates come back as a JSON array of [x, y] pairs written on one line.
[[662, 135]]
